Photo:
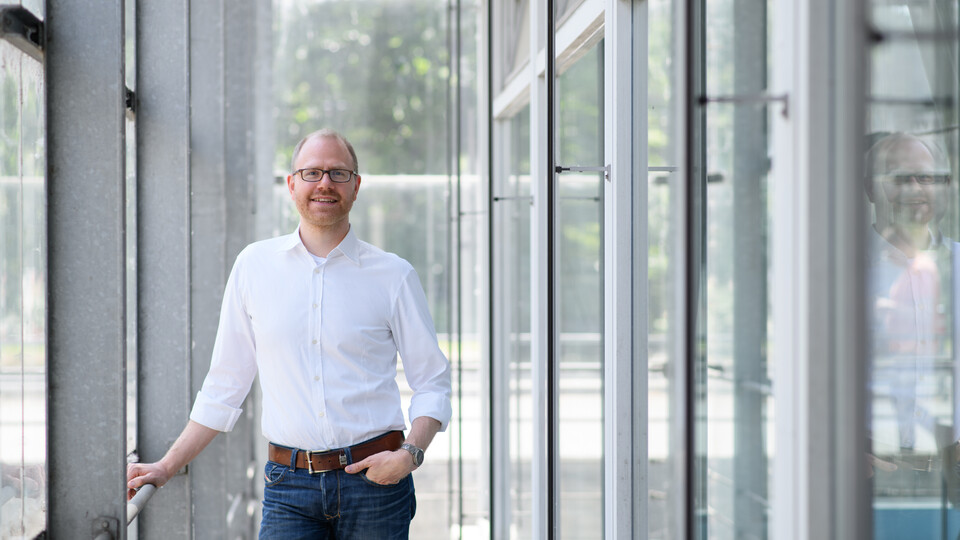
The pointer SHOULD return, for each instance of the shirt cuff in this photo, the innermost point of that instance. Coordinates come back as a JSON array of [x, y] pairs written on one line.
[[435, 406], [213, 414]]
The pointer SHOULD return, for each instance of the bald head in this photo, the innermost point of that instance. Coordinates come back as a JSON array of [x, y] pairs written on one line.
[[898, 151], [324, 134]]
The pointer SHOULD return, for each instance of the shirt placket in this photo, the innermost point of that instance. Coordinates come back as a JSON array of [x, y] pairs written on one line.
[[316, 349]]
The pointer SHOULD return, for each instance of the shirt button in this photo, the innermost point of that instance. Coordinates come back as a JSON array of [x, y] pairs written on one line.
[[316, 270], [315, 306], [321, 414], [316, 377], [314, 342]]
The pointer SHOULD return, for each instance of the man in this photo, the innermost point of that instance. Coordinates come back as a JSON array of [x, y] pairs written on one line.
[[321, 316]]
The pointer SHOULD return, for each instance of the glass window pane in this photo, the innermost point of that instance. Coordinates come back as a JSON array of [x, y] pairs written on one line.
[[733, 402], [910, 188], [664, 276], [579, 294], [513, 301], [913, 16], [131, 285], [469, 344], [513, 34], [22, 295], [563, 8]]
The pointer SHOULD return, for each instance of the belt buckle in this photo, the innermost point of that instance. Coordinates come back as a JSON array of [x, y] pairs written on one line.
[[309, 455], [310, 469]]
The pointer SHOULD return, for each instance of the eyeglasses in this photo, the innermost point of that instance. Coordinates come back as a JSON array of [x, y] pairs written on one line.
[[924, 179], [339, 176]]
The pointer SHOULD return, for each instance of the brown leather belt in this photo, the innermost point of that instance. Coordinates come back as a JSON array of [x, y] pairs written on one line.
[[331, 460]]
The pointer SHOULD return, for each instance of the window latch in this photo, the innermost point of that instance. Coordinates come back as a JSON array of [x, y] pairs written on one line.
[[604, 169]]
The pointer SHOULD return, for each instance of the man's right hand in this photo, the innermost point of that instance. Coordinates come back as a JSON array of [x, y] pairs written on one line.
[[139, 474], [194, 438], [874, 464]]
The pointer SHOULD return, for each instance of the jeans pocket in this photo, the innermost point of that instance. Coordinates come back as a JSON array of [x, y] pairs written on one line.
[[363, 476], [274, 473]]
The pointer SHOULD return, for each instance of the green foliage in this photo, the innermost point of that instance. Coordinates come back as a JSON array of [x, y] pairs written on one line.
[[377, 71]]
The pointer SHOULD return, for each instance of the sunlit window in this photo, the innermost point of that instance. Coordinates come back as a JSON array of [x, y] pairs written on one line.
[[23, 485]]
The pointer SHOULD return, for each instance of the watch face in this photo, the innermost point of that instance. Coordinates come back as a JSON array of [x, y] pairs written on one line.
[[415, 452]]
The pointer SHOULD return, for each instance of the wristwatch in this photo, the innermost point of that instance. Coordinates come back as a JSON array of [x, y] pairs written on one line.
[[417, 453]]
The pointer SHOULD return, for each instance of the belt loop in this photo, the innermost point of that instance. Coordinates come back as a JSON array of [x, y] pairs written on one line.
[[349, 455], [293, 458]]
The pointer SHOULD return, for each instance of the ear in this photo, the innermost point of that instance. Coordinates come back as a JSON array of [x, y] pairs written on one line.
[[868, 185], [356, 188], [290, 183]]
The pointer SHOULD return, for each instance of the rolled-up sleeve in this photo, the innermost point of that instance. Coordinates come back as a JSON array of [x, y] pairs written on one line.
[[425, 366], [233, 364]]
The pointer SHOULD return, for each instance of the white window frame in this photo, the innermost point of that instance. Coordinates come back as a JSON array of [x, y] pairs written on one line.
[[820, 490]]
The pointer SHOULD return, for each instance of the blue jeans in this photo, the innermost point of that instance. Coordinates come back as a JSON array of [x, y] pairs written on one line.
[[333, 505]]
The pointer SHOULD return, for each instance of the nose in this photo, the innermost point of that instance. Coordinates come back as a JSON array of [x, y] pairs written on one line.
[[325, 179]]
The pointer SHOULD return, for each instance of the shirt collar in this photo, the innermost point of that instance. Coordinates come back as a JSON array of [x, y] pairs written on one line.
[[349, 247]]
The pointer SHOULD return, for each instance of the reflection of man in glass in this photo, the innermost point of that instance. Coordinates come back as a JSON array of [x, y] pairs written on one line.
[[907, 191], [909, 283]]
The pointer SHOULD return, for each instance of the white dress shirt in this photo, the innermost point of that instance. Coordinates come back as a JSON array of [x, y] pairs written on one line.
[[323, 335]]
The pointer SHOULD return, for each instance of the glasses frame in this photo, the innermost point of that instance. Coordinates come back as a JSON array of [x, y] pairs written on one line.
[[324, 172], [921, 178]]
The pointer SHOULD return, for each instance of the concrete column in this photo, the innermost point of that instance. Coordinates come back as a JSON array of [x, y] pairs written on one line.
[[163, 254], [86, 272]]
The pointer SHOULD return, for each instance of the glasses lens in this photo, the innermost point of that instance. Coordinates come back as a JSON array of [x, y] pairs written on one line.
[[311, 175], [937, 178], [340, 175]]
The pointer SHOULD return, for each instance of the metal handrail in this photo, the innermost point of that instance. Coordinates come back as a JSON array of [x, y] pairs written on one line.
[[136, 504]]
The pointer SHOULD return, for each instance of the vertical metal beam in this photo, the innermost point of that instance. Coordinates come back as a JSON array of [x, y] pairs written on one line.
[[548, 177], [164, 239], [624, 332], [540, 311], [820, 350], [208, 251], [693, 235], [679, 402], [846, 25], [86, 268], [803, 82], [239, 41], [499, 453], [263, 133]]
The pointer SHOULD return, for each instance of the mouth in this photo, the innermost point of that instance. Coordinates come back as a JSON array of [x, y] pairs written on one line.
[[323, 200]]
